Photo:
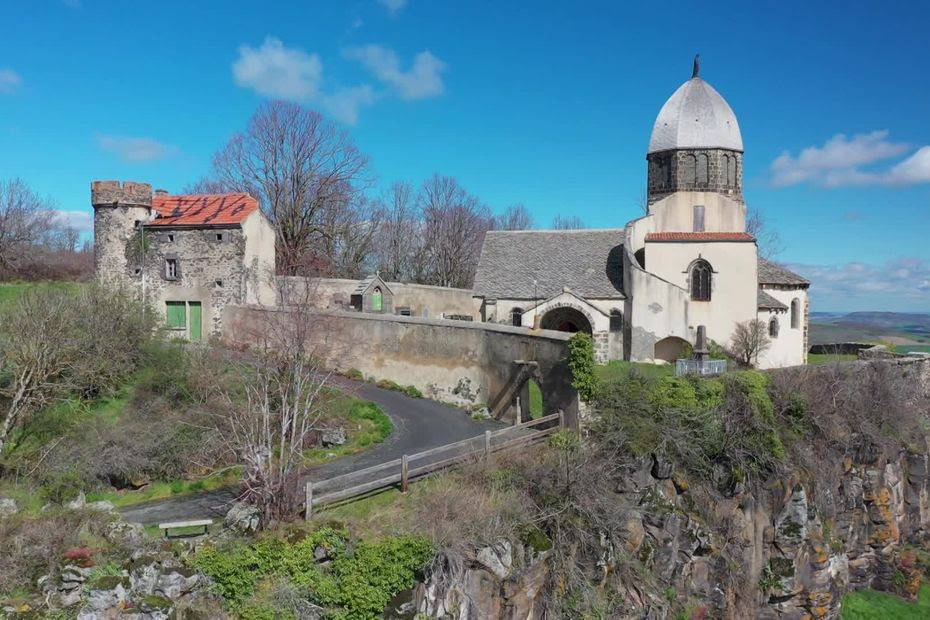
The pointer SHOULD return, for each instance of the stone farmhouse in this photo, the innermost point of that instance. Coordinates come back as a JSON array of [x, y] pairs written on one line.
[[189, 256], [643, 290]]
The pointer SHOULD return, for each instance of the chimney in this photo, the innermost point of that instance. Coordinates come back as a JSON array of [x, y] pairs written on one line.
[[161, 192]]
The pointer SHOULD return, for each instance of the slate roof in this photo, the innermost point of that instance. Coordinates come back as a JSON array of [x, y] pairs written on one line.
[[589, 262], [365, 284], [699, 236], [202, 209], [767, 302], [773, 273], [695, 116]]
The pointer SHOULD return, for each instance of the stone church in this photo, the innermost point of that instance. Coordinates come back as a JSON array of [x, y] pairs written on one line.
[[643, 290]]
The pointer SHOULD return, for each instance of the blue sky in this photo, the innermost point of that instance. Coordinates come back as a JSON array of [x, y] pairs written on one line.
[[546, 103]]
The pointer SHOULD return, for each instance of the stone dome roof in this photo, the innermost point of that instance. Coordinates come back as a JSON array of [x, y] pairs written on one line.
[[696, 116]]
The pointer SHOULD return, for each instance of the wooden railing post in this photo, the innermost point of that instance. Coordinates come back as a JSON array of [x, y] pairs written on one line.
[[487, 444], [561, 419], [308, 505], [404, 473]]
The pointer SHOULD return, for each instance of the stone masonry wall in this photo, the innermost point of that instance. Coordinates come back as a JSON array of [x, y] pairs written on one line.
[[456, 361], [668, 173], [117, 208], [203, 261]]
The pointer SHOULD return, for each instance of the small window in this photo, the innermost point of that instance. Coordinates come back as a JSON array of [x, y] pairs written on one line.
[[172, 270], [169, 238], [137, 271], [218, 284], [616, 321], [219, 236], [773, 327], [795, 314], [698, 218], [137, 223], [404, 312], [516, 317], [701, 280]]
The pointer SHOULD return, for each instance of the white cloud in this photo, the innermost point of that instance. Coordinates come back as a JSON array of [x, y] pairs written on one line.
[[903, 283], [135, 149], [81, 221], [424, 79], [914, 169], [346, 103], [840, 161], [394, 7], [277, 71], [9, 81]]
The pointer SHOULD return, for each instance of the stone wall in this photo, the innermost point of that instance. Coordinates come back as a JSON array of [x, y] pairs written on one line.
[[118, 210], [211, 271], [715, 170], [420, 299], [457, 361]]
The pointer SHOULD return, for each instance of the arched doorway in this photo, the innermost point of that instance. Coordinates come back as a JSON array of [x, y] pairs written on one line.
[[566, 319], [670, 349]]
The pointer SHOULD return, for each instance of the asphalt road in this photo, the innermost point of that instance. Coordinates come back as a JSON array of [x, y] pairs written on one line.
[[419, 424]]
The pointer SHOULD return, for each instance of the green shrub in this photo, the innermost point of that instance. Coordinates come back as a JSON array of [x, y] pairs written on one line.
[[387, 384], [413, 392], [177, 486], [359, 583], [355, 373], [581, 364], [62, 487]]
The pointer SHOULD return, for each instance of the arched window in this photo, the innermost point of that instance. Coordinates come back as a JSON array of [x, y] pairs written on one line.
[[689, 173], [377, 300], [773, 327], [701, 280], [731, 170], [795, 313], [516, 317], [701, 176]]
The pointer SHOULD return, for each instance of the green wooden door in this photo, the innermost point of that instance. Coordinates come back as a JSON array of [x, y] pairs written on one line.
[[196, 318], [176, 317]]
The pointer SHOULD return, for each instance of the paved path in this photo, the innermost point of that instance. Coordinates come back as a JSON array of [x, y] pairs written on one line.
[[419, 424]]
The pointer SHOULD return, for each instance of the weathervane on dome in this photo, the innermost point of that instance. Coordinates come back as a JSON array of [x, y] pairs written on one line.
[[697, 66]]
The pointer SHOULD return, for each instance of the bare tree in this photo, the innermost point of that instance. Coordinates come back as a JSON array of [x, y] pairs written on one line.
[[516, 217], [454, 225], [285, 402], [206, 185], [304, 170], [750, 339], [399, 244], [767, 238], [25, 219], [567, 222]]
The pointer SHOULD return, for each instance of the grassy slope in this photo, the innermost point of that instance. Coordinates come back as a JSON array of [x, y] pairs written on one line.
[[11, 291], [871, 605]]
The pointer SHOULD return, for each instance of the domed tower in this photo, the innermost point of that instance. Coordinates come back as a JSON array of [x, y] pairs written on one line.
[[696, 144], [119, 211]]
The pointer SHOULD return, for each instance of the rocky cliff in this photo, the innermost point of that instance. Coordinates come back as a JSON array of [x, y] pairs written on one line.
[[848, 509]]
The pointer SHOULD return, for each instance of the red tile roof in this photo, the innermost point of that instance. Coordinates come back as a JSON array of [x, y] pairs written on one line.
[[700, 236], [202, 209]]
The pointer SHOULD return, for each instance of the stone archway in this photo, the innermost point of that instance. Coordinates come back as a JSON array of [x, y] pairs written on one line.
[[670, 349], [566, 319]]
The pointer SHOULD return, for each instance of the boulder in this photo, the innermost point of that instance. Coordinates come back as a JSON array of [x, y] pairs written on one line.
[[104, 599], [333, 436], [77, 503], [8, 507], [102, 506], [121, 532], [497, 558], [242, 517], [176, 582]]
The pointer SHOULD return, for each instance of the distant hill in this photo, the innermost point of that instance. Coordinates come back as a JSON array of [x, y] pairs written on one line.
[[900, 328]]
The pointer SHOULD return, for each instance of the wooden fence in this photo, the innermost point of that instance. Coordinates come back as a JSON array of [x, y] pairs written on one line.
[[410, 466]]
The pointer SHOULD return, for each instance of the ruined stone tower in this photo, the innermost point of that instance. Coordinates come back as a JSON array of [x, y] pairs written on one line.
[[119, 210]]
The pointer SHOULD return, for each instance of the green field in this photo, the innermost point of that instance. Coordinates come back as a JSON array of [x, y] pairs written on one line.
[[10, 292], [872, 605]]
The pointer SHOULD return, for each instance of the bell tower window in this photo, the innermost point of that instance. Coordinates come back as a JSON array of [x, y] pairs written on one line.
[[701, 274]]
